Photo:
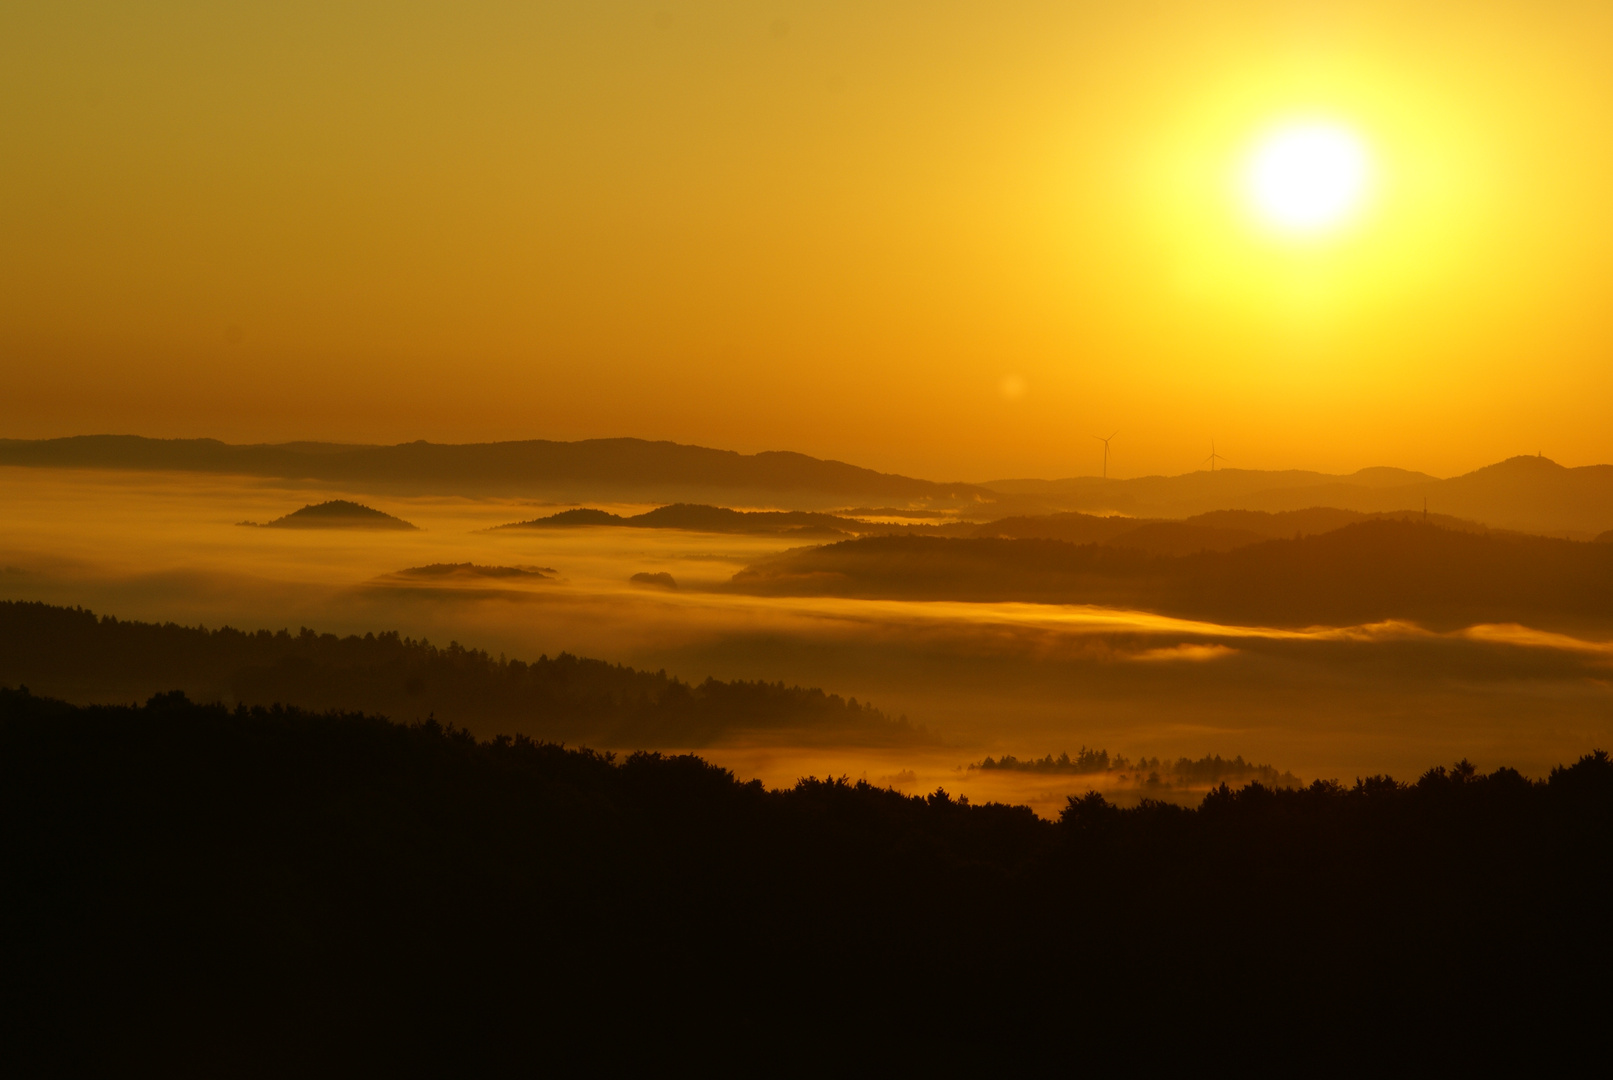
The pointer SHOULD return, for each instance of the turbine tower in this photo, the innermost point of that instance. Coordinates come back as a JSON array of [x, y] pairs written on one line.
[[1105, 443], [1214, 457]]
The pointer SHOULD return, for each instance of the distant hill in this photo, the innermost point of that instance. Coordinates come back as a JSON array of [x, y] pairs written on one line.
[[1528, 494], [72, 653], [462, 574], [716, 519], [1366, 572], [590, 469], [472, 570], [1225, 482], [1220, 530], [336, 514]]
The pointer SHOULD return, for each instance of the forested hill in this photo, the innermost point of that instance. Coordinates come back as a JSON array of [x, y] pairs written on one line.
[[72, 653], [332, 893], [1366, 572]]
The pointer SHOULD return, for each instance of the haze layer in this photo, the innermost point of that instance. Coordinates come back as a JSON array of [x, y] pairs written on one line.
[[955, 242]]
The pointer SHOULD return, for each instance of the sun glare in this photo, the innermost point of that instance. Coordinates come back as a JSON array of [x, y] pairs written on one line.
[[1308, 178]]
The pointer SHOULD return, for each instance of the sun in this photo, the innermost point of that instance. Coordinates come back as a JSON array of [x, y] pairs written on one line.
[[1308, 178]]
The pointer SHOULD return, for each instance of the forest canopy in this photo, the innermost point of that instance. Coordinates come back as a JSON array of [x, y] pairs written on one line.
[[71, 651], [185, 875]]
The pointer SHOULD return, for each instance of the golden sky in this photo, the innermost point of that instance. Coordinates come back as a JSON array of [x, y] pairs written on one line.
[[949, 239]]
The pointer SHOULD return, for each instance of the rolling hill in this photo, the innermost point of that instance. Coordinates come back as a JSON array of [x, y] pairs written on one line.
[[698, 518], [590, 469], [1365, 572], [74, 653], [336, 514], [1527, 494]]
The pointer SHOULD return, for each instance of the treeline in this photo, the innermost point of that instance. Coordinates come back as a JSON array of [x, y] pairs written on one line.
[[1369, 571], [270, 887], [73, 653], [1146, 772], [1085, 763]]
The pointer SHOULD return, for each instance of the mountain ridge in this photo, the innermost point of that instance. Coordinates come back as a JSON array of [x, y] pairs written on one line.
[[623, 465], [1525, 493]]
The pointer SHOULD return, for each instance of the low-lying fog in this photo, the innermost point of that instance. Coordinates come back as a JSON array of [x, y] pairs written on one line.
[[1021, 679]]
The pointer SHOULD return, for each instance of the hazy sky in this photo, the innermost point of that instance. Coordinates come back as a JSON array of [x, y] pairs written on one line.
[[949, 239]]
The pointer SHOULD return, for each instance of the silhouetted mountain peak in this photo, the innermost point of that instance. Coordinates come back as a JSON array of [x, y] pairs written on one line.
[[1521, 465]]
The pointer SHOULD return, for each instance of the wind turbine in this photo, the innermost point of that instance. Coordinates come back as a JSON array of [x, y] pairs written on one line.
[[1214, 457], [1105, 443]]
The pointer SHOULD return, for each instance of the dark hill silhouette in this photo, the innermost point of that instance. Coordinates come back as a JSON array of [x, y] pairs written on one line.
[[1528, 494], [1183, 538], [1159, 537], [1283, 524], [592, 468], [1194, 493], [1075, 528], [462, 573], [580, 517], [1370, 571], [1220, 530], [1149, 774], [336, 514], [1532, 494], [71, 652], [714, 519], [301, 891]]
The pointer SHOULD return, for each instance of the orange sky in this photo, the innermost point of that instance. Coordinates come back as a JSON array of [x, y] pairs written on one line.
[[954, 240]]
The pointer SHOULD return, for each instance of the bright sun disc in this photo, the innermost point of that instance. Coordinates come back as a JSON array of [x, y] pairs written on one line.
[[1308, 178]]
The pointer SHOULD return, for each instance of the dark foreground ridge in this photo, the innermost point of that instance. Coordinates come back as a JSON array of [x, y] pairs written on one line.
[[192, 885], [74, 653]]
